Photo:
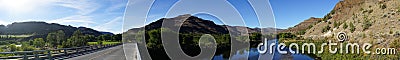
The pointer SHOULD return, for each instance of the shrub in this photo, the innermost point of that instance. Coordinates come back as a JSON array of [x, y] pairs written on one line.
[[335, 24], [328, 16], [326, 28], [286, 35], [345, 26], [301, 32], [352, 27], [366, 24], [383, 6], [310, 26], [390, 32], [398, 9]]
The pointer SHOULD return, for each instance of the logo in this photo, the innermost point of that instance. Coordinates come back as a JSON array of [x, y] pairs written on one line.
[[342, 36]]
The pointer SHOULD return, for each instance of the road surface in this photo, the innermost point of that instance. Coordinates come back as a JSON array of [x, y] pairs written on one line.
[[114, 53]]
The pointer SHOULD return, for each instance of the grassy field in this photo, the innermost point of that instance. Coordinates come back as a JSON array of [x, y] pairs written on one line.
[[16, 36], [104, 42]]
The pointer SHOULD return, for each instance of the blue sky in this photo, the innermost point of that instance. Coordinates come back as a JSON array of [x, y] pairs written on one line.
[[291, 12], [107, 15], [287, 13], [102, 15]]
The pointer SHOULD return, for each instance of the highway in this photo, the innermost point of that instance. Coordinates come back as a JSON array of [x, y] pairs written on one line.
[[114, 53]]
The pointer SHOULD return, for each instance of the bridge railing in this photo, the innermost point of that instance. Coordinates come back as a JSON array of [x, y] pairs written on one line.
[[51, 54]]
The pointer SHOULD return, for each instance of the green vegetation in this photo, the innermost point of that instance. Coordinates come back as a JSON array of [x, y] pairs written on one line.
[[326, 28], [398, 9], [39, 42], [301, 32], [383, 6], [77, 39], [189, 42], [286, 35], [352, 27], [328, 16], [55, 40], [14, 36], [366, 24], [336, 24], [345, 26]]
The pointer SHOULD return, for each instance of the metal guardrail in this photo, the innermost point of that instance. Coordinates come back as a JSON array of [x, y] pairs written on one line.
[[50, 54]]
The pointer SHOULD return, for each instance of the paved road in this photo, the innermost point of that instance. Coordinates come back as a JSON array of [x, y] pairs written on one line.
[[114, 53]]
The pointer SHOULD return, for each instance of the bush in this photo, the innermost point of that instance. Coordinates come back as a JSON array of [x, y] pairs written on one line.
[[336, 24], [352, 27], [328, 16], [310, 26], [383, 6], [366, 24], [286, 35], [345, 26], [326, 28], [301, 32], [398, 9]]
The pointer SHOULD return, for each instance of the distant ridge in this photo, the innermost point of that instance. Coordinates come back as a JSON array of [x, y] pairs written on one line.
[[43, 28], [194, 24]]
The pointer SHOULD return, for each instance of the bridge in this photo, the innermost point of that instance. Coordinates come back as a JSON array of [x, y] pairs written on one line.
[[96, 52]]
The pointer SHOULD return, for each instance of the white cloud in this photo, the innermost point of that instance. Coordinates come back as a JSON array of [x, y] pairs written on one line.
[[77, 20], [114, 26], [2, 22], [84, 6]]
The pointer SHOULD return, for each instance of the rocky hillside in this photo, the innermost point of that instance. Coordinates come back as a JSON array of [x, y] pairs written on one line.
[[303, 26], [373, 21]]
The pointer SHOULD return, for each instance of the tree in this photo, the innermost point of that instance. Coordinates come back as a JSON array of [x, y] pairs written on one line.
[[60, 38], [117, 37], [38, 42], [104, 37], [77, 39], [99, 42], [55, 38], [154, 38], [26, 47], [13, 47], [67, 44], [51, 37], [255, 36], [90, 38]]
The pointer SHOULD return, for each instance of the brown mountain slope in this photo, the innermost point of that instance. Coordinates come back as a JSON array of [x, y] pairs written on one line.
[[373, 21], [303, 26]]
